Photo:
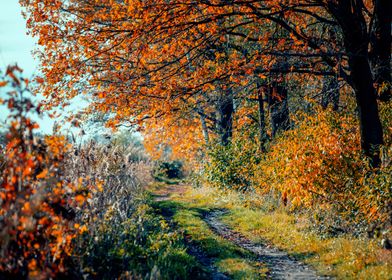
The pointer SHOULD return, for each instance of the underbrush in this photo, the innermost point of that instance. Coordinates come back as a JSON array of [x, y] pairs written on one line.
[[38, 201], [317, 167], [78, 210], [141, 247], [232, 166], [123, 237], [169, 172]]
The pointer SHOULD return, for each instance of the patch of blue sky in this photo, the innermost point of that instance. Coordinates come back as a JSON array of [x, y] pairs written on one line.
[[16, 47]]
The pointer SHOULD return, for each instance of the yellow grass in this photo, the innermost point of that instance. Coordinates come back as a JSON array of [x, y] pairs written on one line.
[[344, 257]]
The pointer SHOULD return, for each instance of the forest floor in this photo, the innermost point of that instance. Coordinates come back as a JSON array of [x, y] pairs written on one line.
[[224, 252]]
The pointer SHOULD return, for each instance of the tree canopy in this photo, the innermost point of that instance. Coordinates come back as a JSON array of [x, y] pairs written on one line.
[[167, 60]]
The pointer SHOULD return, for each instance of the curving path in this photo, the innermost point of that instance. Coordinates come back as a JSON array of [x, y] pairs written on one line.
[[279, 263]]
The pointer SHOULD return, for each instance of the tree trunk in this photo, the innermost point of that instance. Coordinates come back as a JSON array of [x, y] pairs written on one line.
[[225, 117], [330, 93], [204, 128], [278, 107], [351, 20], [262, 130], [380, 47], [370, 124]]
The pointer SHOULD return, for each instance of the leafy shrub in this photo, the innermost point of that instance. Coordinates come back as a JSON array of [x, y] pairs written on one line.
[[37, 202], [319, 163], [231, 166]]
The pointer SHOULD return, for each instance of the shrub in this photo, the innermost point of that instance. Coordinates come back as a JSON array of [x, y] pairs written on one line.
[[168, 170], [231, 166], [320, 164], [37, 202]]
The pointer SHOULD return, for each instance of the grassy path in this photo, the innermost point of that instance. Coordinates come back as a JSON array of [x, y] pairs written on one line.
[[224, 253], [279, 264]]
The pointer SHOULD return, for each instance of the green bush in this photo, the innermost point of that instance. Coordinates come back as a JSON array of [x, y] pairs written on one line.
[[231, 166], [169, 170]]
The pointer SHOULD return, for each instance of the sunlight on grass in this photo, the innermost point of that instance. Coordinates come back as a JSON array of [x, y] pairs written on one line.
[[227, 257], [344, 257], [240, 269]]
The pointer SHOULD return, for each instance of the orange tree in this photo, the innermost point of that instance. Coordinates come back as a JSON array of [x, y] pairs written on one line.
[[37, 202], [144, 59]]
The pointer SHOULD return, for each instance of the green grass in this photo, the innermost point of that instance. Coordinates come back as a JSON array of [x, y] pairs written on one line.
[[343, 257], [227, 257]]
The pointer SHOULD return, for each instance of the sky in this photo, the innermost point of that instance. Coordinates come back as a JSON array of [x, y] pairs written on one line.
[[15, 44], [16, 47]]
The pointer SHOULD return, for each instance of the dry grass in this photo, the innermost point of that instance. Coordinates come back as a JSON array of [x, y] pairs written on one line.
[[344, 257], [119, 171]]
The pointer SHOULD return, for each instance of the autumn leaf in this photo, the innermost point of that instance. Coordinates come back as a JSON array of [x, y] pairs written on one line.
[[43, 174]]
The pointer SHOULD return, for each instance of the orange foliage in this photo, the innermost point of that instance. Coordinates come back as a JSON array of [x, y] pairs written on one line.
[[36, 200], [142, 61], [320, 163]]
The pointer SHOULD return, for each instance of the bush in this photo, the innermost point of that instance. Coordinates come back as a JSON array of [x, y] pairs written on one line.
[[320, 164], [38, 203], [168, 170], [231, 166]]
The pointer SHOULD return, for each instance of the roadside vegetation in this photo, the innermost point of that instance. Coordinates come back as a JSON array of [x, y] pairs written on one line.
[[106, 210], [212, 131], [78, 209]]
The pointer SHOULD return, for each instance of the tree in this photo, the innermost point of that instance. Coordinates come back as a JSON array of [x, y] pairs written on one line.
[[147, 58]]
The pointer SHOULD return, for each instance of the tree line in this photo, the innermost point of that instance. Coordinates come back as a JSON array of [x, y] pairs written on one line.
[[193, 65]]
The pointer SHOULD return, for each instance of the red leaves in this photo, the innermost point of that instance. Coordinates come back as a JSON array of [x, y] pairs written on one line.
[[39, 80], [11, 73], [11, 103]]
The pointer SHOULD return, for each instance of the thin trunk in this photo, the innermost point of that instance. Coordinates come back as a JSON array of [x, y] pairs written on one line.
[[330, 93], [225, 117], [380, 47], [204, 128], [262, 130], [278, 107]]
